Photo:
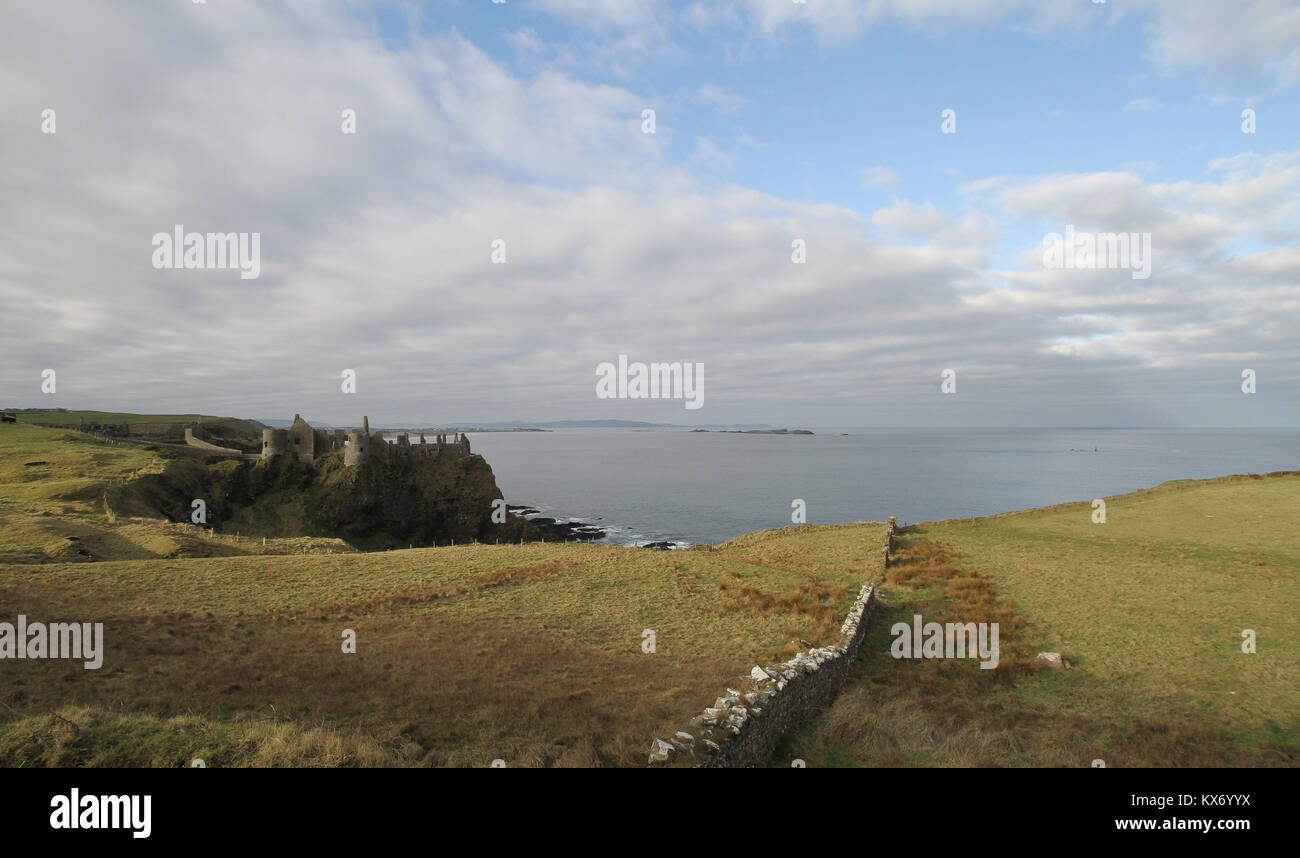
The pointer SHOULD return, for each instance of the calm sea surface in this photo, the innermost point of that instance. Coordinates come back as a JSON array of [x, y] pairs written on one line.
[[709, 487]]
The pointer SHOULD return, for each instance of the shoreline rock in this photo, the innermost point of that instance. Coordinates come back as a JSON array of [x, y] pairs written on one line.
[[552, 530]]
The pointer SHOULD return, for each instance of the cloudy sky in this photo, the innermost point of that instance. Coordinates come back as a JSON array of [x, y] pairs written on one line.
[[774, 122]]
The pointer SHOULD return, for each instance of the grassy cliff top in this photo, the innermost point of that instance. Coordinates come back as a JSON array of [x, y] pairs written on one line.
[[1150, 607], [528, 653]]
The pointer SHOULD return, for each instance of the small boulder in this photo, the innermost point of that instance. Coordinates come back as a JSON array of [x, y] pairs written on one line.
[[1050, 661], [661, 752], [758, 674]]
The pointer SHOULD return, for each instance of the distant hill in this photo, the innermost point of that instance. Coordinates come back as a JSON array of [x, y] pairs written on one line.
[[602, 424], [285, 424], [176, 422]]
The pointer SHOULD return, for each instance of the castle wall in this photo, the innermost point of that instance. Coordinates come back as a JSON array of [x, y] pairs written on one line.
[[325, 442], [357, 446], [195, 440]]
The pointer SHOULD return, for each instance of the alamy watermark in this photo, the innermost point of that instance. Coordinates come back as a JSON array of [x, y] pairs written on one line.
[[132, 812], [1131, 250], [84, 641], [950, 640], [181, 249], [638, 380]]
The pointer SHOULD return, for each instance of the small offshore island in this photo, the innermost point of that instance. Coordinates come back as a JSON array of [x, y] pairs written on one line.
[[758, 431]]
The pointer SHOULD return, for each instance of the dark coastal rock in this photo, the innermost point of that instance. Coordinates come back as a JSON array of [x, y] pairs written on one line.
[[532, 527], [522, 510]]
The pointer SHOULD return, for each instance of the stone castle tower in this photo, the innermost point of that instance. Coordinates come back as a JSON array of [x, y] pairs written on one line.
[[360, 444], [274, 442]]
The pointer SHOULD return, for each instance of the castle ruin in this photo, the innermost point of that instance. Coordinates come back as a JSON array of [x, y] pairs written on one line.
[[359, 444]]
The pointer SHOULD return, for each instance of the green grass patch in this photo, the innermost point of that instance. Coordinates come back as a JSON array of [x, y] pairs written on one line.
[[1149, 606]]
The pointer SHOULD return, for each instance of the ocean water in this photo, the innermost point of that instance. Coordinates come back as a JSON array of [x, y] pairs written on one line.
[[693, 487]]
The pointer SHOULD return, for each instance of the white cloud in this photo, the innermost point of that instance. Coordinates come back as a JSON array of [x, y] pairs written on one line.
[[623, 35], [840, 20], [980, 186], [1142, 105], [909, 219], [718, 96], [1238, 37], [879, 177], [1233, 38], [708, 156], [376, 245], [607, 15]]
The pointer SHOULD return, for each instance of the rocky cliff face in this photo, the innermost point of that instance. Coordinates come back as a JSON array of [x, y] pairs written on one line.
[[417, 499], [380, 503]]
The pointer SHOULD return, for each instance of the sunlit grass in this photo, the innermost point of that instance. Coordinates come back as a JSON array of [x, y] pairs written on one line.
[[1150, 608], [528, 653]]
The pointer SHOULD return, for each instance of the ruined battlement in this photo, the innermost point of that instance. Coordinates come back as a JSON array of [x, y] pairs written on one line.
[[358, 445]]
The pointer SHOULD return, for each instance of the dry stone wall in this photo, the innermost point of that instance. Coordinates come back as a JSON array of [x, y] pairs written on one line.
[[742, 728]]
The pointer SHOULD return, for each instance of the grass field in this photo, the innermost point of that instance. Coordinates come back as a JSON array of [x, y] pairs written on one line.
[[1149, 606], [527, 653], [220, 648], [531, 654], [151, 422]]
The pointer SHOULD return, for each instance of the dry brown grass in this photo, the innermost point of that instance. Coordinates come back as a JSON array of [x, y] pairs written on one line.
[[820, 603], [961, 596], [531, 654]]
